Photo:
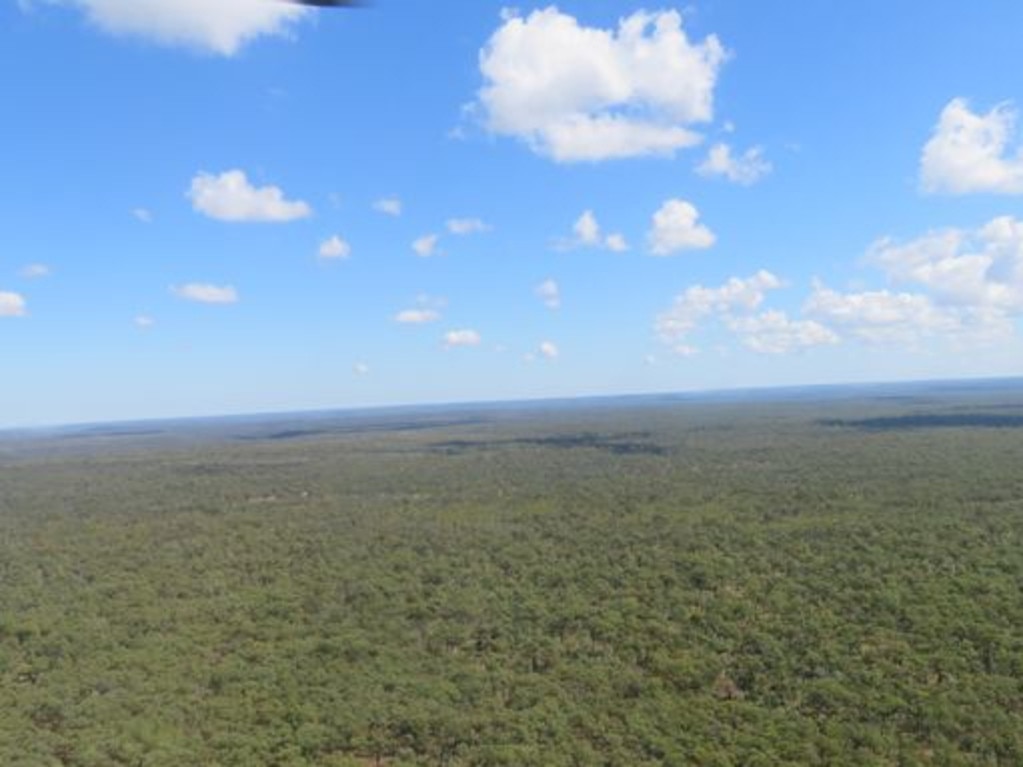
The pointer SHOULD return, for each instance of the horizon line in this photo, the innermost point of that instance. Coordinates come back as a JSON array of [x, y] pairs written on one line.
[[502, 402]]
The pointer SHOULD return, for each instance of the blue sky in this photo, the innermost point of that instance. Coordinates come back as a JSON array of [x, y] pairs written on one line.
[[261, 207]]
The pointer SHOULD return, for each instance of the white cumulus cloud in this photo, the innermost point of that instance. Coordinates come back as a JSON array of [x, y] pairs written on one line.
[[335, 248], [12, 304], [676, 227], [736, 297], [962, 285], [466, 337], [745, 169], [981, 267], [205, 293], [971, 152], [902, 318], [586, 233], [230, 197], [772, 332], [220, 27], [577, 93], [549, 292]]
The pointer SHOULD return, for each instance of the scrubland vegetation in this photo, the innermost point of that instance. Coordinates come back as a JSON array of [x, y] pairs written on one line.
[[827, 579]]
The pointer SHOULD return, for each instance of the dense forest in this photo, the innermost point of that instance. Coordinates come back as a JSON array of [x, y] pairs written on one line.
[[823, 577]]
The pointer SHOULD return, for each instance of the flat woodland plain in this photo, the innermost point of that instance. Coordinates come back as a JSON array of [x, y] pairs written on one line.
[[816, 577]]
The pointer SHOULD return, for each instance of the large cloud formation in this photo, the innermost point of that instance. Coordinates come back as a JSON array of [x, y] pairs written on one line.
[[734, 305], [576, 93], [964, 286]]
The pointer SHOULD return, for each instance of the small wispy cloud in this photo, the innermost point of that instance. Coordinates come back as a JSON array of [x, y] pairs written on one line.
[[12, 304], [745, 169], [205, 293], [549, 292], [426, 310], [334, 248], [416, 316], [616, 242], [426, 245], [35, 271], [143, 322], [142, 214], [466, 337], [586, 228], [587, 233], [462, 226], [360, 369], [389, 206], [549, 350]]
